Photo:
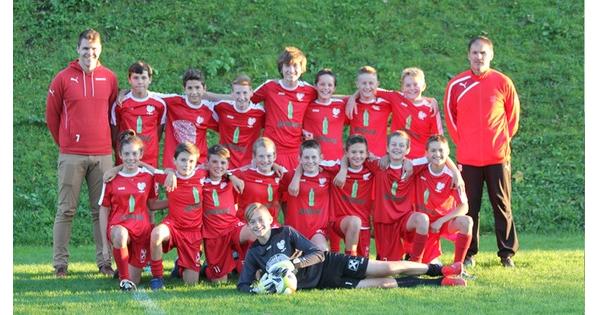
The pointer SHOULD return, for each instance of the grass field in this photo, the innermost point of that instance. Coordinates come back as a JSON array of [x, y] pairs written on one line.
[[549, 279]]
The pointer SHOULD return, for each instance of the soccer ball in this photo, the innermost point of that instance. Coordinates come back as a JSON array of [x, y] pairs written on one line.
[[284, 284], [288, 284]]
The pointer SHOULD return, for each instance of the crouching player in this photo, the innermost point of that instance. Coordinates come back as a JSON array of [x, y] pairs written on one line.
[[223, 232], [317, 269], [446, 206], [124, 216]]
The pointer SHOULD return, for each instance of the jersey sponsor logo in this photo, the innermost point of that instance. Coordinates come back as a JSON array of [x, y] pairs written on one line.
[[422, 115], [463, 84], [439, 186], [314, 110], [281, 245], [281, 93], [251, 121], [403, 104], [121, 188], [229, 116], [141, 186], [336, 112], [75, 79], [100, 79], [299, 96], [51, 91], [353, 264], [150, 109]]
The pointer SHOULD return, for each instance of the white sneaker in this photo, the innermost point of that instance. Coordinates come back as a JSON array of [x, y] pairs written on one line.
[[127, 285]]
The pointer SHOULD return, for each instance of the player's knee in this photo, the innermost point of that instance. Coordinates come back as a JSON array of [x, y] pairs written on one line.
[[119, 237], [157, 235], [466, 224], [65, 212]]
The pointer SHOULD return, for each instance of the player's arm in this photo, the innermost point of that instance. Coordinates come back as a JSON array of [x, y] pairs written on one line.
[[460, 209], [111, 173], [158, 204], [457, 180], [215, 97], [340, 178], [294, 186], [450, 113], [248, 275], [54, 106], [307, 253], [512, 107], [351, 107]]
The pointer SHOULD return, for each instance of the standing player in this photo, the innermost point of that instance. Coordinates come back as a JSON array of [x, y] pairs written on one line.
[[240, 122], [124, 215], [285, 103], [188, 117], [275, 250], [222, 231], [142, 111], [445, 206], [482, 115]]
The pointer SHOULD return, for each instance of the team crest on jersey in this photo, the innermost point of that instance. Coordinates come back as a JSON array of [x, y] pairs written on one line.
[[366, 176], [281, 245], [376, 107], [251, 121], [143, 255], [422, 115], [222, 185], [141, 186], [197, 260], [336, 112], [150, 109], [277, 180], [299, 96], [199, 120], [439, 186], [322, 181]]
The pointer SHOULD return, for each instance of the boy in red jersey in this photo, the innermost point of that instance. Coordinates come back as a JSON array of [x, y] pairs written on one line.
[[324, 120], [308, 210], [446, 206], [240, 122], [188, 117], [285, 103], [142, 111], [124, 218], [222, 231], [182, 227], [261, 182]]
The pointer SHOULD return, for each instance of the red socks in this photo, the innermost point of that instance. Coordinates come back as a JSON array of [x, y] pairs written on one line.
[[121, 256], [418, 247], [156, 267], [461, 246]]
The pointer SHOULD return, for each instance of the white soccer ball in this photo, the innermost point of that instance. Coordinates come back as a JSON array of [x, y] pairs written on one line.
[[289, 283], [285, 284]]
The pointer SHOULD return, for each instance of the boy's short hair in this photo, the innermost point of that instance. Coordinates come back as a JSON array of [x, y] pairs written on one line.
[[413, 72], [436, 138], [310, 144], [90, 35], [480, 38], [252, 208], [354, 139], [326, 71], [291, 55], [242, 79], [399, 133], [129, 137], [219, 150], [186, 147], [263, 142], [139, 67], [193, 74], [366, 69]]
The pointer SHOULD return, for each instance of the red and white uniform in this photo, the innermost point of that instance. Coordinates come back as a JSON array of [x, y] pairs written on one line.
[[145, 116], [238, 130], [258, 187], [326, 123], [415, 119], [186, 122], [482, 116], [284, 116], [372, 122], [127, 198], [309, 211], [221, 229], [78, 109]]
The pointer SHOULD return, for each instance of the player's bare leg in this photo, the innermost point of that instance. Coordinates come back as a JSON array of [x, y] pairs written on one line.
[[159, 235], [320, 241], [135, 274], [350, 226], [190, 276], [384, 283], [378, 268]]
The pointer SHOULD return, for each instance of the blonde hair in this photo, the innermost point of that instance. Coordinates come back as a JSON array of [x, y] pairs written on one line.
[[263, 142], [413, 72], [252, 208], [242, 79], [366, 69]]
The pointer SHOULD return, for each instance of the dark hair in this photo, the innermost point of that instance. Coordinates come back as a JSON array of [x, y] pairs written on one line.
[[129, 137], [89, 35], [480, 38], [186, 147], [289, 55], [193, 74], [139, 67], [219, 150], [310, 144], [326, 71], [354, 139], [399, 133], [436, 138]]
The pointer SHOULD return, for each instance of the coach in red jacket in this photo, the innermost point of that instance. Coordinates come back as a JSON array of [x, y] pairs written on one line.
[[482, 115], [77, 114]]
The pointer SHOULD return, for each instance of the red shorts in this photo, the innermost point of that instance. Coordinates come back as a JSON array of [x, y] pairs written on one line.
[[188, 244], [364, 238], [219, 253], [433, 246], [138, 246]]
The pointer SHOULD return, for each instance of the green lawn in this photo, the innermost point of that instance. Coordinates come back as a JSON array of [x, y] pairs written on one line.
[[549, 279]]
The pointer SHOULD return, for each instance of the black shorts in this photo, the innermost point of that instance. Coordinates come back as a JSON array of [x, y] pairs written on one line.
[[342, 271]]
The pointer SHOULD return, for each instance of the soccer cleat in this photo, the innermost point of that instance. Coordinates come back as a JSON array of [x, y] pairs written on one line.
[[469, 262], [60, 272], [157, 284], [507, 262], [454, 282], [106, 270], [455, 269], [127, 285], [175, 272]]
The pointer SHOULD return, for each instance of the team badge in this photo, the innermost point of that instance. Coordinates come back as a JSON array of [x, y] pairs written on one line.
[[366, 176], [143, 255], [141, 186], [376, 107], [251, 121], [222, 185], [198, 259], [299, 96], [439, 186], [322, 181], [150, 109], [422, 115], [199, 120], [353, 264], [336, 112], [277, 180], [281, 245]]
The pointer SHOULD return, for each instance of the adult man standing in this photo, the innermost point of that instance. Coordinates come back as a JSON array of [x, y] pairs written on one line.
[[482, 115], [77, 114]]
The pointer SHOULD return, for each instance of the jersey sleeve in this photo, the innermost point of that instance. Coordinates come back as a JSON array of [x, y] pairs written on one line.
[[512, 107], [260, 93], [310, 253], [54, 101], [450, 113], [249, 272]]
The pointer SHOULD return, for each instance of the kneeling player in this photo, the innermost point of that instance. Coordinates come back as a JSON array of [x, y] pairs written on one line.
[[318, 269]]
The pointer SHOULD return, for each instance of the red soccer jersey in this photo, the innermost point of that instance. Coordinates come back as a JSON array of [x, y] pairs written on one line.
[[186, 122], [145, 116], [415, 119], [219, 208], [238, 130], [355, 197], [127, 197], [434, 195], [185, 202], [372, 122], [326, 123], [284, 112], [261, 188], [309, 211]]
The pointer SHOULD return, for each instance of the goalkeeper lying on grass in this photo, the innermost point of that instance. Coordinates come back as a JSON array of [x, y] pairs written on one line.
[[281, 251]]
